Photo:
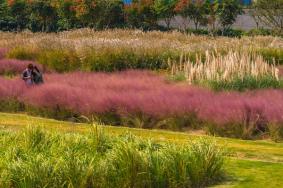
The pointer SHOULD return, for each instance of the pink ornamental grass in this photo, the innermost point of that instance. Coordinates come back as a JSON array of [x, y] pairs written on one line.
[[130, 91], [3, 52], [15, 66], [134, 92], [11, 89]]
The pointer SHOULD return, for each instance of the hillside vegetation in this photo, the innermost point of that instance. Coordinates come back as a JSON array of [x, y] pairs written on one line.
[[179, 82], [250, 163]]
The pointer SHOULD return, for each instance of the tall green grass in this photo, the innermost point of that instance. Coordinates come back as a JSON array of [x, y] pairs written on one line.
[[104, 59], [36, 158], [272, 55], [247, 83]]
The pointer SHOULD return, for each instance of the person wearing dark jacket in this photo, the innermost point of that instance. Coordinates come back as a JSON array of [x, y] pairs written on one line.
[[37, 76]]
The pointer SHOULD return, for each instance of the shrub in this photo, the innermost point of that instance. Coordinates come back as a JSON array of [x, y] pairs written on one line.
[[229, 32], [198, 31], [259, 32]]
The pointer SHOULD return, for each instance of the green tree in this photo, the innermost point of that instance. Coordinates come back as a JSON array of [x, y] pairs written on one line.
[[43, 16], [87, 11], [196, 11], [270, 13], [110, 14], [228, 12], [6, 20], [212, 14], [66, 15], [20, 13], [141, 14], [165, 10]]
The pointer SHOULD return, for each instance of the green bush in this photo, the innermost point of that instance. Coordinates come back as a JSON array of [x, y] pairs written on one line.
[[11, 105], [55, 113], [276, 132], [59, 60], [230, 32], [36, 158], [22, 53], [248, 83], [106, 60], [117, 60], [243, 131], [109, 61], [272, 55], [259, 32], [198, 31]]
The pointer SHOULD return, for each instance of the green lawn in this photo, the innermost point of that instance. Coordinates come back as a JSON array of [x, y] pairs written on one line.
[[251, 163]]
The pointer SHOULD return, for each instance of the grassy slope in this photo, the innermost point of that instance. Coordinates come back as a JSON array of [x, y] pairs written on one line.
[[252, 163]]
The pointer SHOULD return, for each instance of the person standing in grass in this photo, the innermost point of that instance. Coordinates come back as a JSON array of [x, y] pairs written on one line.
[[37, 77], [27, 75]]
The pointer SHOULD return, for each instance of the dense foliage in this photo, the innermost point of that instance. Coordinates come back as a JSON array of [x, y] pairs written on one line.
[[142, 99], [56, 15], [36, 158]]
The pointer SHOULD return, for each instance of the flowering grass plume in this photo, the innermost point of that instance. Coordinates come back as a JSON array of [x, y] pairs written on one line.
[[215, 67], [112, 50], [83, 40]]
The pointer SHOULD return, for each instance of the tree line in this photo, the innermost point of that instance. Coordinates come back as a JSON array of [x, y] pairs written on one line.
[[59, 15]]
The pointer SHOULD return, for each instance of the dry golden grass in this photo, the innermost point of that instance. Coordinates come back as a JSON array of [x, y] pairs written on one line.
[[83, 39]]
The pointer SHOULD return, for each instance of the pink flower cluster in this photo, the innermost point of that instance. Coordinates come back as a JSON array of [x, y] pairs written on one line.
[[142, 91]]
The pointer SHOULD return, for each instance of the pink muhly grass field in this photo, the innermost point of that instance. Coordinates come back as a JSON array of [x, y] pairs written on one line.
[[15, 66], [11, 89], [3, 52], [134, 92]]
